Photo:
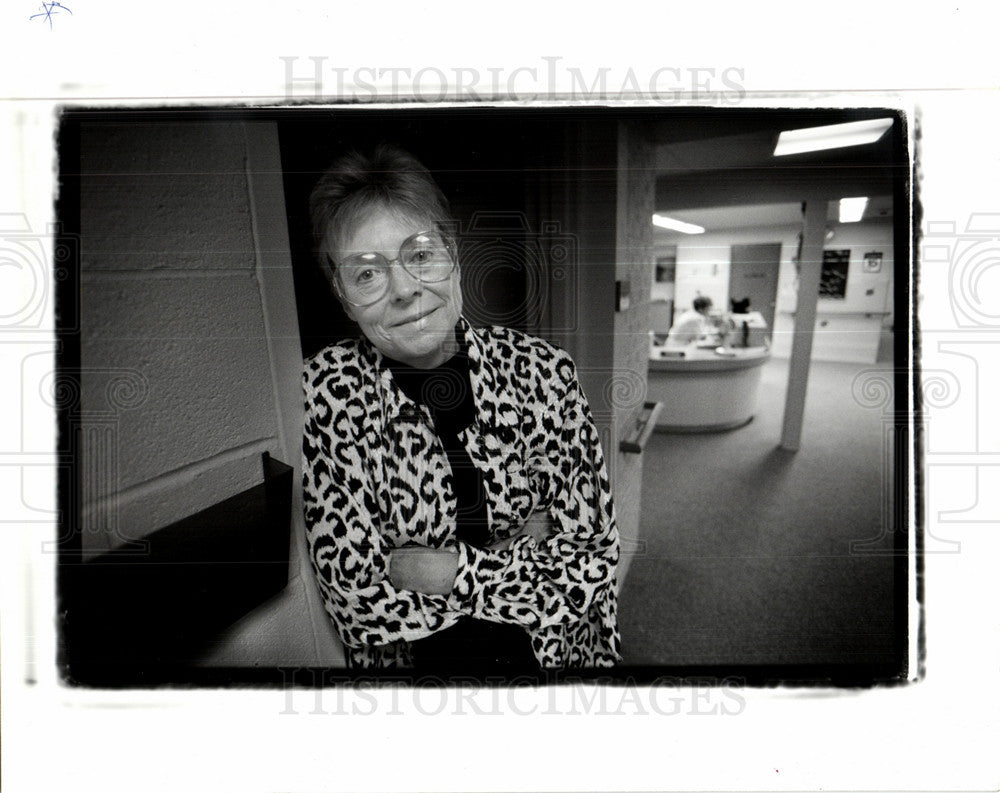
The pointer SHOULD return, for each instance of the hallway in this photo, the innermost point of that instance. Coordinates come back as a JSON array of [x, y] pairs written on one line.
[[744, 553]]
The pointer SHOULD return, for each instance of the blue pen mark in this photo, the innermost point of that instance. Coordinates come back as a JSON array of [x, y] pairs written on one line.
[[49, 10]]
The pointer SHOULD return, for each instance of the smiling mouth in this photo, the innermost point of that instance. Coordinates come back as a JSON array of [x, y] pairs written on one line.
[[416, 317]]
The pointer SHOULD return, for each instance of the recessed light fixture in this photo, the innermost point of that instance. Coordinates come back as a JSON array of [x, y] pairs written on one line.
[[852, 209], [676, 225], [832, 136]]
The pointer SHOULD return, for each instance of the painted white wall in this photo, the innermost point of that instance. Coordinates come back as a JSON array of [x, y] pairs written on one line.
[[190, 350], [702, 270], [866, 292], [847, 329], [703, 262]]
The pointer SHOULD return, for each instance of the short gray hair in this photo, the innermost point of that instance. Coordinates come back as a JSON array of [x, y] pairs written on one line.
[[356, 183]]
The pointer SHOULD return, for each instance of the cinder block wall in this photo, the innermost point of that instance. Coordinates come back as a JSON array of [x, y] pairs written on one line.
[[184, 383]]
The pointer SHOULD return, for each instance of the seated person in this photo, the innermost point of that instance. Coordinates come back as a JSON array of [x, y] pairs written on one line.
[[692, 325]]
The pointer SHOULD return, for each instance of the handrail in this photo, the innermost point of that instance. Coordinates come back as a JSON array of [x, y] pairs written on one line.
[[644, 428]]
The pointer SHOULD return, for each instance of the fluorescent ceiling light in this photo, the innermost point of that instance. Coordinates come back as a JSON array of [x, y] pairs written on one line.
[[833, 136], [852, 209], [677, 225]]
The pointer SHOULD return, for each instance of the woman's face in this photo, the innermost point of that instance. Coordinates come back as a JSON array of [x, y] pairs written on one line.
[[414, 322]]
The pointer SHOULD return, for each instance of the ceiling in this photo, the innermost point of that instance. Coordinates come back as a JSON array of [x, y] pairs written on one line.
[[764, 216], [717, 169]]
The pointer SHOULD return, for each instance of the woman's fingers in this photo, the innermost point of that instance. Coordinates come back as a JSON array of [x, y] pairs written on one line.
[[539, 525]]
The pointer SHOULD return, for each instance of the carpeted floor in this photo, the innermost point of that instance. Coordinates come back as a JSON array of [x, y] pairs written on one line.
[[746, 549]]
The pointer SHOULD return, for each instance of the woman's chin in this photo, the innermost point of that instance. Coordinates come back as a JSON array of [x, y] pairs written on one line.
[[429, 349]]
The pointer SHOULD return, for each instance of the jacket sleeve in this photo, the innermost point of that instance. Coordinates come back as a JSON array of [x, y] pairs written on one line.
[[556, 581], [348, 554]]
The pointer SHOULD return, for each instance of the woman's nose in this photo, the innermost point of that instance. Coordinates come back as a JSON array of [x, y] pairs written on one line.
[[402, 285]]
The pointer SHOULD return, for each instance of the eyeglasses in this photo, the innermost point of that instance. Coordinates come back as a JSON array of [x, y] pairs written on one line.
[[363, 278]]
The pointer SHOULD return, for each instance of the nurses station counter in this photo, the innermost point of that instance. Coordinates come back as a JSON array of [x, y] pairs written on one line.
[[702, 390]]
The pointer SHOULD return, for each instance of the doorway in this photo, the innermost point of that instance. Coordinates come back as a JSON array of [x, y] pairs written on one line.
[[753, 276]]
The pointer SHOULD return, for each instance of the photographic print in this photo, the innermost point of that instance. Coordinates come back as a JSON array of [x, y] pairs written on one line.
[[380, 387], [351, 393]]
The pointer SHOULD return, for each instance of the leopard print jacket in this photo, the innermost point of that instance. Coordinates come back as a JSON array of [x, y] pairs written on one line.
[[376, 477]]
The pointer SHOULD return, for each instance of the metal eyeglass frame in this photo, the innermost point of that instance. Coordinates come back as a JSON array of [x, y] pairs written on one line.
[[449, 247]]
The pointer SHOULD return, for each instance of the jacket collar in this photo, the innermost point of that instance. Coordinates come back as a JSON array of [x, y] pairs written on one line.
[[397, 406]]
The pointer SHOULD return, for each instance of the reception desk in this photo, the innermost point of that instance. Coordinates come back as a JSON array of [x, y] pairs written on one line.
[[703, 391]]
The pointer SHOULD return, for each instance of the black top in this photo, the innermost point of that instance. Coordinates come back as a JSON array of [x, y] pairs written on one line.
[[471, 645]]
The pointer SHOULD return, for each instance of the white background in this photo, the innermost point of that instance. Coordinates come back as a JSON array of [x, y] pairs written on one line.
[[939, 58]]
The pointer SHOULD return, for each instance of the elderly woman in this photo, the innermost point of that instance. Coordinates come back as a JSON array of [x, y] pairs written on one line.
[[458, 509]]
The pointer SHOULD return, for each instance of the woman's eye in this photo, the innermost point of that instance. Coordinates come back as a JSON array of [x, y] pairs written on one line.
[[364, 276], [421, 256]]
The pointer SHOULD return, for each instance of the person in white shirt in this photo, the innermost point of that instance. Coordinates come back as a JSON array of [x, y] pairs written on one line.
[[692, 324]]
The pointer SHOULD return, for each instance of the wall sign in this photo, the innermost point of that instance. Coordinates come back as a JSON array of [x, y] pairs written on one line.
[[873, 262]]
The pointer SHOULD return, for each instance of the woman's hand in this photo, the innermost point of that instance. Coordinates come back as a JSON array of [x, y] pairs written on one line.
[[432, 570], [539, 526], [428, 570]]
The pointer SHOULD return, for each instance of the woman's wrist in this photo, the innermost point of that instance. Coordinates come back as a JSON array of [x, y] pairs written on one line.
[[430, 571]]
